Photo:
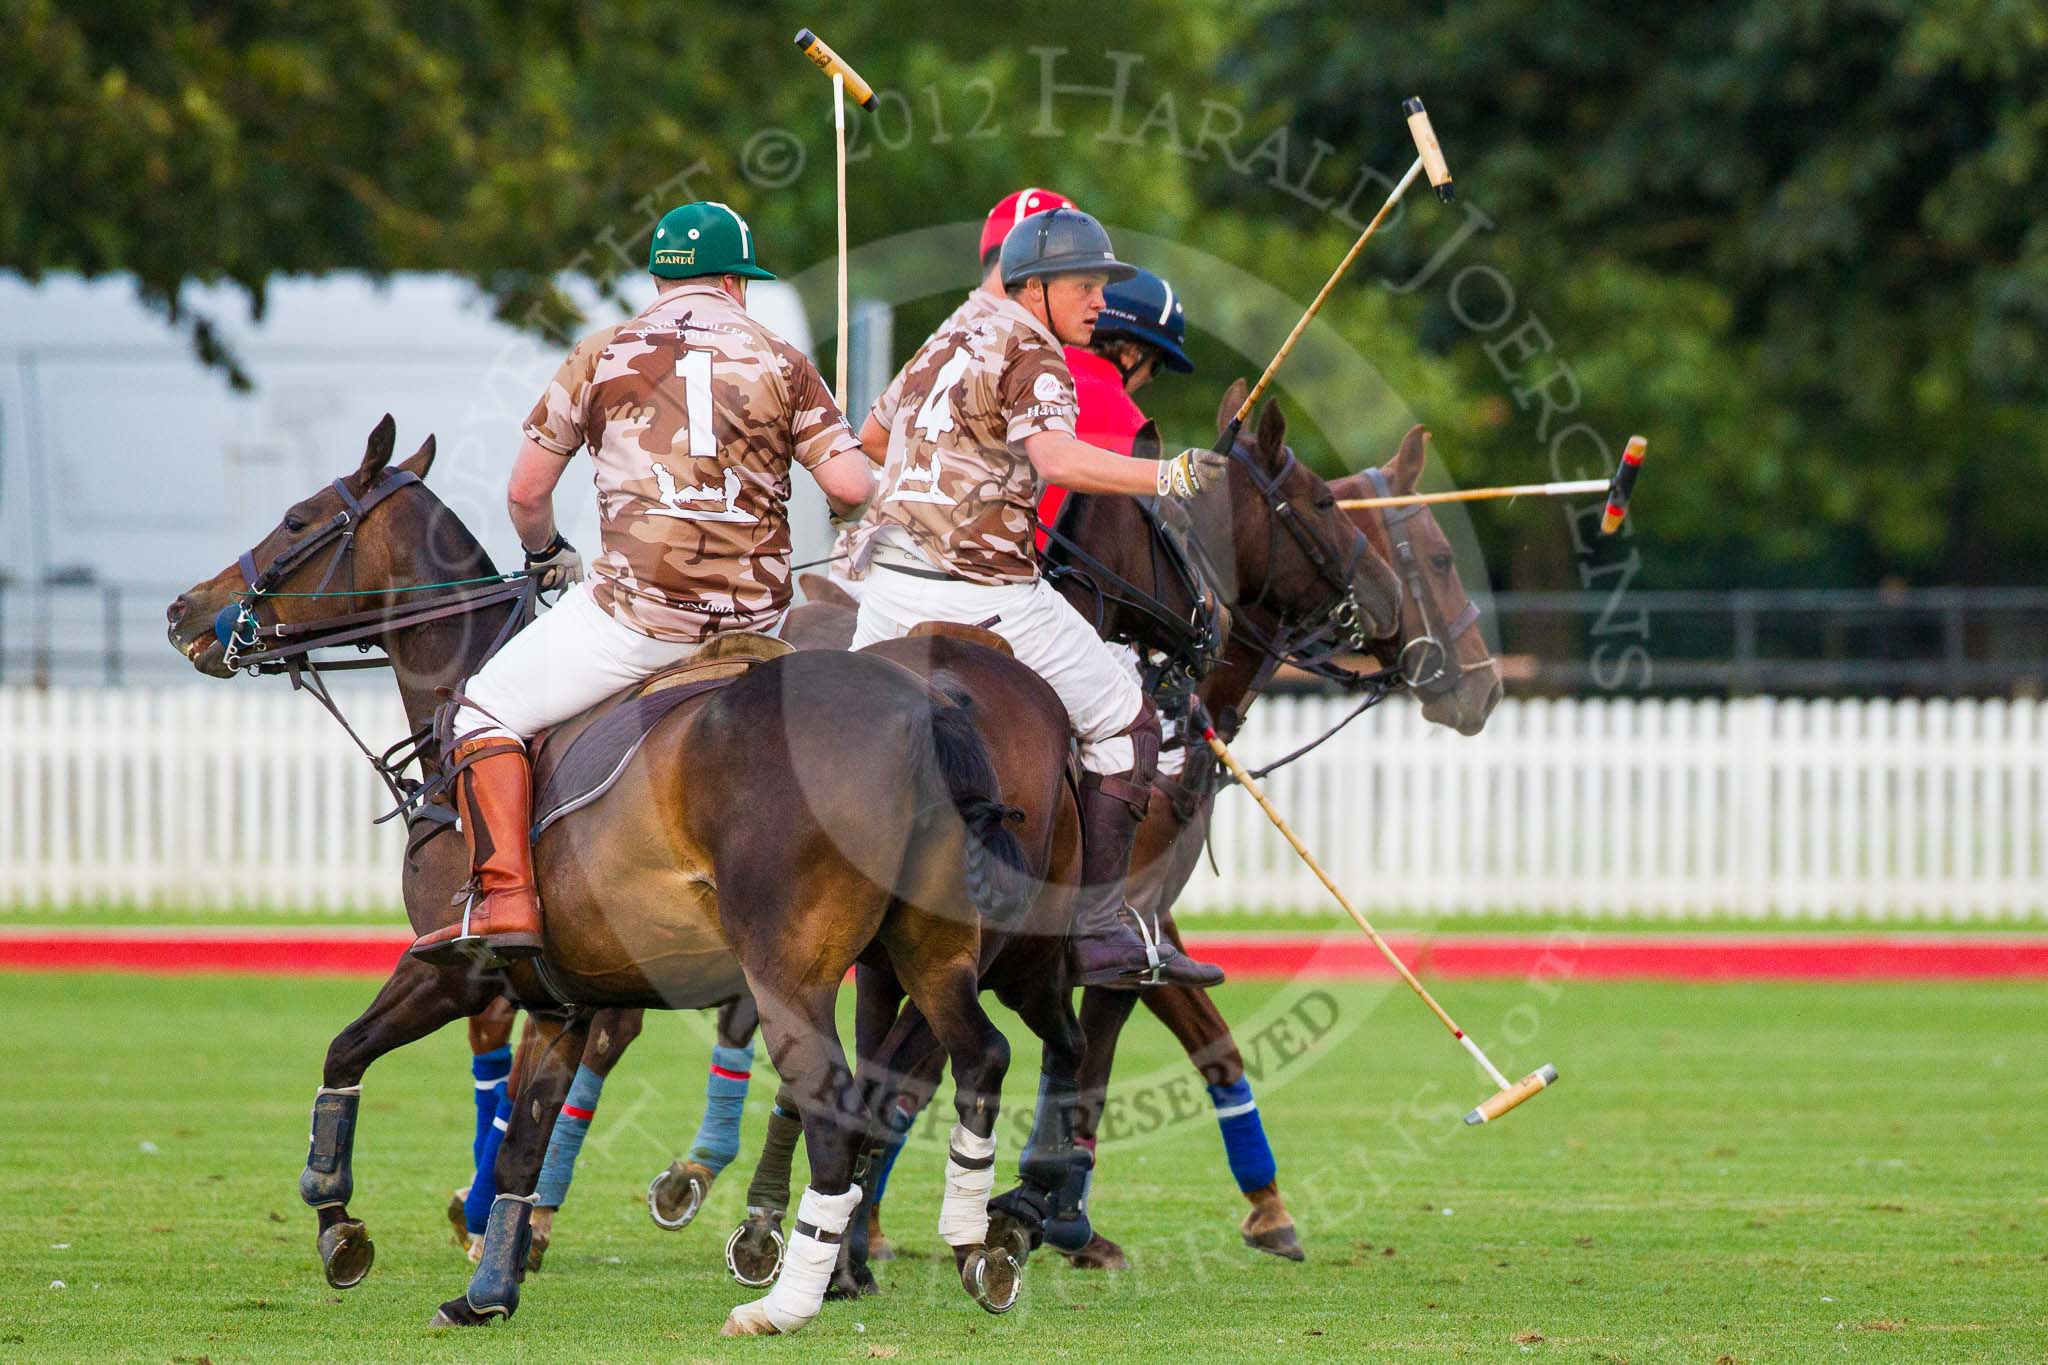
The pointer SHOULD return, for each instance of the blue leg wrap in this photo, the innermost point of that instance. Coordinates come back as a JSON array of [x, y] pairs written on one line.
[[571, 1126], [1244, 1137], [489, 1070], [725, 1099], [483, 1186], [899, 1132]]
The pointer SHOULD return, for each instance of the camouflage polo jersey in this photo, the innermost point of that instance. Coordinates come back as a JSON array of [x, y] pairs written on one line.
[[692, 412], [957, 479]]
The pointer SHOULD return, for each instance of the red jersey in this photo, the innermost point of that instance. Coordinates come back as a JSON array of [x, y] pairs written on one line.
[[1108, 419]]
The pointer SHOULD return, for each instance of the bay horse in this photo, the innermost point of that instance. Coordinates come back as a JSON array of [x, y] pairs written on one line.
[[1442, 659], [883, 841], [1302, 570]]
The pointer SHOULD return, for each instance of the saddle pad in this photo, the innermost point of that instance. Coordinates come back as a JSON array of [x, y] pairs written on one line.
[[595, 758]]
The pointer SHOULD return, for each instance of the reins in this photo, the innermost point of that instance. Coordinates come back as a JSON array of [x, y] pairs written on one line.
[[289, 647]]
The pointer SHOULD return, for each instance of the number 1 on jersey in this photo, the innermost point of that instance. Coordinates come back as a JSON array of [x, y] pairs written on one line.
[[694, 369]]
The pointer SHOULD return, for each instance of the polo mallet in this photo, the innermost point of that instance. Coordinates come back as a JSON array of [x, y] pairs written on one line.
[[1618, 490], [845, 81], [1429, 158], [1494, 1105]]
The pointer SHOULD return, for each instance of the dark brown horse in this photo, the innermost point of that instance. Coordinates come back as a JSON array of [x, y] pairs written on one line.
[[758, 843], [1459, 694], [1314, 579]]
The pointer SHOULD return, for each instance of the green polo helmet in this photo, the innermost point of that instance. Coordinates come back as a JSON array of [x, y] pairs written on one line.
[[703, 239]]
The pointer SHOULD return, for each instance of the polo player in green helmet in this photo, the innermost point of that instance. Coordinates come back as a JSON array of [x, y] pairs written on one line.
[[693, 413]]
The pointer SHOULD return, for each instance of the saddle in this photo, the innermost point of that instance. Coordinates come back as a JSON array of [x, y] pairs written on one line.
[[956, 630], [571, 773]]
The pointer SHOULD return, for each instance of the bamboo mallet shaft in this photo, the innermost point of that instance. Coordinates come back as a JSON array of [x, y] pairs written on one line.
[[1507, 1096], [1519, 490]]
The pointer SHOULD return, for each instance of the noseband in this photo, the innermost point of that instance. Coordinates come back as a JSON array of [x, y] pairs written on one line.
[[1429, 662]]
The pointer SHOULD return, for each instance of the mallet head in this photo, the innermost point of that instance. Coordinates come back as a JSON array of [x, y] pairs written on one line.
[[1426, 147], [1499, 1103], [826, 60], [1623, 484]]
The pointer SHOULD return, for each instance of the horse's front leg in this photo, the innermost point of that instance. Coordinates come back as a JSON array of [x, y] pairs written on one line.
[[417, 1000]]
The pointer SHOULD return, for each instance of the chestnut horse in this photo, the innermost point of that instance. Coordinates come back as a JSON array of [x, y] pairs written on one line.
[[797, 844]]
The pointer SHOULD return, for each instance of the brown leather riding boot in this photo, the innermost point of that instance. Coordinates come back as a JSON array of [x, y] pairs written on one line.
[[501, 912], [1110, 944]]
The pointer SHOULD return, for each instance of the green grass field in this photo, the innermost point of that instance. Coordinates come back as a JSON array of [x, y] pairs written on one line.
[[1725, 1173]]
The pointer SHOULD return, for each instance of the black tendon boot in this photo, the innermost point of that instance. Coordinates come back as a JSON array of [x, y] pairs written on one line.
[[1110, 943]]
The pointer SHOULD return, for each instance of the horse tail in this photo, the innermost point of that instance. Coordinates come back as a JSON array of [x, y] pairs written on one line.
[[1000, 883]]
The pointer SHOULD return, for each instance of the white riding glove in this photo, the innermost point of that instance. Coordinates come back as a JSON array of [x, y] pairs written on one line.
[[556, 564], [1190, 472]]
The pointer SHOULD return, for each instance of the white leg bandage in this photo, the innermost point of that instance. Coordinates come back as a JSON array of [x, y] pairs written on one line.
[[799, 1292], [970, 1180]]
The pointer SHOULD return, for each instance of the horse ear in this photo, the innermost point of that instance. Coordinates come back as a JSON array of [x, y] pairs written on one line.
[[421, 460], [1272, 429], [1404, 471], [377, 452], [1233, 399]]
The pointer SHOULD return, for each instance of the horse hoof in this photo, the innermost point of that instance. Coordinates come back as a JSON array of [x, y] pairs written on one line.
[[346, 1253], [1280, 1241], [540, 1232], [1099, 1254], [749, 1320], [880, 1248], [1011, 1235], [754, 1251], [675, 1196], [458, 1313], [993, 1277], [458, 1218]]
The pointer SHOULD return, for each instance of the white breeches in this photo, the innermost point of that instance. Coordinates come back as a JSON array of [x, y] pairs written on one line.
[[1100, 690], [572, 657]]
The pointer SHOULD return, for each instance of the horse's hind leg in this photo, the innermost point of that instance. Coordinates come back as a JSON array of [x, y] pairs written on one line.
[[675, 1196], [416, 1000], [949, 995], [555, 1046], [803, 1039], [1194, 1019], [1053, 1200]]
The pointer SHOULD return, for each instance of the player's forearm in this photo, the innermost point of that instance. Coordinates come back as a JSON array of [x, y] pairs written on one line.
[[1084, 468], [530, 496]]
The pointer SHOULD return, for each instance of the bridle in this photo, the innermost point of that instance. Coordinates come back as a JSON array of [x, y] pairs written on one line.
[[250, 645], [1312, 641], [1429, 662]]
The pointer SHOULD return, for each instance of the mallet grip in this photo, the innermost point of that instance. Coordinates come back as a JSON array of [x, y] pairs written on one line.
[[831, 63], [1624, 484], [1493, 1106], [1433, 163]]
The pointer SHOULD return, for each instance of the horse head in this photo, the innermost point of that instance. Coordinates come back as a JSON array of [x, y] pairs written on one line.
[[1439, 646], [1301, 573], [333, 553]]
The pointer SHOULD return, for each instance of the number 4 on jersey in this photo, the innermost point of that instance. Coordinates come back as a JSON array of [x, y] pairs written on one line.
[[934, 419]]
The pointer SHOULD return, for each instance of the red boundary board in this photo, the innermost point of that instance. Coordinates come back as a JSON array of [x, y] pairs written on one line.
[[1335, 956]]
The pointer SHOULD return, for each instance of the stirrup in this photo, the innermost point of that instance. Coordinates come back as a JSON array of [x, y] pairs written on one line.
[[1148, 934]]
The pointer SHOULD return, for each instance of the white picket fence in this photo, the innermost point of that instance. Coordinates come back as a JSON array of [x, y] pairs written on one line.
[[236, 795]]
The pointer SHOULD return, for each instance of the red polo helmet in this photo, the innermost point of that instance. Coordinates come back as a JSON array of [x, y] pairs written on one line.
[[1013, 209]]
